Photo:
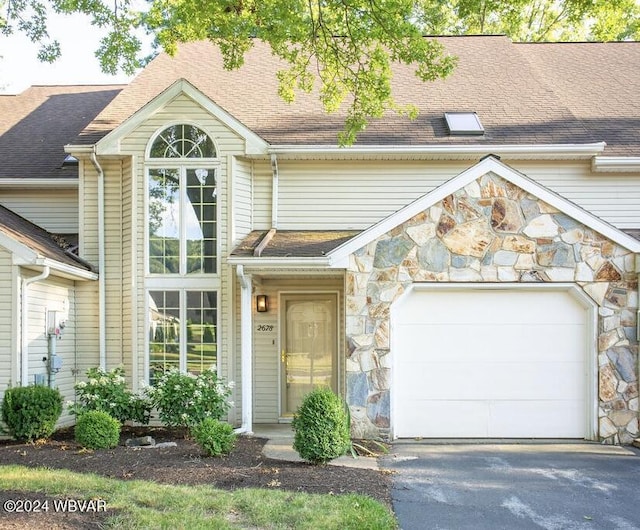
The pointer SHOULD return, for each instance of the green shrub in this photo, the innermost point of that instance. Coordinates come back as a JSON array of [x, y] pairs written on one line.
[[96, 429], [31, 412], [184, 400], [215, 437], [108, 391], [321, 426]]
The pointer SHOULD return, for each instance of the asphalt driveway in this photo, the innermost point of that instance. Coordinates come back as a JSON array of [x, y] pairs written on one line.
[[515, 486]]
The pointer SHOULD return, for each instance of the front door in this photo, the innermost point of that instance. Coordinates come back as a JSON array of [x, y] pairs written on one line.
[[309, 346]]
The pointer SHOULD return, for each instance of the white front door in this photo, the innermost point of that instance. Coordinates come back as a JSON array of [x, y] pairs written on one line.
[[309, 346]]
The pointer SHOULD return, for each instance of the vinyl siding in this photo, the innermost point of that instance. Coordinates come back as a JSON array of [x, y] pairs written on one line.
[[357, 194], [55, 210], [53, 295], [242, 197]]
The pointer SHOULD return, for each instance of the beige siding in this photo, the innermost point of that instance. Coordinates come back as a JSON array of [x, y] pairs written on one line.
[[56, 210], [242, 199], [357, 194], [262, 195], [614, 197], [115, 215], [267, 347], [53, 295], [8, 322]]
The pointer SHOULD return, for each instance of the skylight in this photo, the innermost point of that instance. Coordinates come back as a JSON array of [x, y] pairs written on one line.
[[70, 161], [464, 123]]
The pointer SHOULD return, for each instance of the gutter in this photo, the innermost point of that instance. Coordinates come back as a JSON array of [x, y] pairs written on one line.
[[616, 163], [59, 183], [102, 287], [24, 306], [526, 151], [285, 263]]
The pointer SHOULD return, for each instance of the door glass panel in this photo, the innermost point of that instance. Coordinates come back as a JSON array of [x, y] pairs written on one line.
[[310, 348]]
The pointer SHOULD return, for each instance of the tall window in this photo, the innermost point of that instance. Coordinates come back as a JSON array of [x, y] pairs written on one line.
[[182, 204], [182, 251]]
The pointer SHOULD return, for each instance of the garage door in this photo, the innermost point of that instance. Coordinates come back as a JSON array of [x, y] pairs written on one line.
[[480, 363]]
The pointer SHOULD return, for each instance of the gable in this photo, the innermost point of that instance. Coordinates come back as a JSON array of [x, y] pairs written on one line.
[[471, 180], [176, 104]]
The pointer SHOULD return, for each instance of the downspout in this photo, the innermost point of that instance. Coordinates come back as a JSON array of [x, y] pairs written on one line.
[[102, 289], [245, 356], [24, 376], [274, 191]]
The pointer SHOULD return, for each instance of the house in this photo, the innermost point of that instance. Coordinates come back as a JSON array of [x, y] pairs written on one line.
[[471, 273]]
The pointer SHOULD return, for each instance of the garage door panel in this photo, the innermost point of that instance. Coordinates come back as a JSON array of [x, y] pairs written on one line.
[[441, 419], [516, 370], [480, 308], [541, 419], [473, 381], [492, 419], [534, 343]]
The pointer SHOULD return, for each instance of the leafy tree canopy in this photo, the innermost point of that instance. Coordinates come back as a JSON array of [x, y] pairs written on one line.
[[343, 48]]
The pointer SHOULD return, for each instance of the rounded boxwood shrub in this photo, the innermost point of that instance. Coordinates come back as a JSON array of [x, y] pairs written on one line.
[[96, 429], [214, 437], [321, 425], [31, 412]]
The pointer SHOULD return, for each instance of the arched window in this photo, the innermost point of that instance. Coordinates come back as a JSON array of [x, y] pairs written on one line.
[[182, 202], [183, 141]]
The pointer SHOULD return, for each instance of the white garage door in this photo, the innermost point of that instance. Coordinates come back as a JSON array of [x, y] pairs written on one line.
[[480, 363]]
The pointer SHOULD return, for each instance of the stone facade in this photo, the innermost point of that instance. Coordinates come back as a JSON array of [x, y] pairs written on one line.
[[491, 231]]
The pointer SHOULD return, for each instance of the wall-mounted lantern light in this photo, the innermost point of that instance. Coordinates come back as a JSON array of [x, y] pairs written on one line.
[[262, 303]]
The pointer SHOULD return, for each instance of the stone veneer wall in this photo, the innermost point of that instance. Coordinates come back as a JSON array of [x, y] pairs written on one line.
[[490, 231]]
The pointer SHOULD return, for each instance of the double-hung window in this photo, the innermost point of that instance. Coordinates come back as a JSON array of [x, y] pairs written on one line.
[[182, 277]]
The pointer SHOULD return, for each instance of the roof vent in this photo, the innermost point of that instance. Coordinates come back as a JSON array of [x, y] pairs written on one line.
[[464, 123]]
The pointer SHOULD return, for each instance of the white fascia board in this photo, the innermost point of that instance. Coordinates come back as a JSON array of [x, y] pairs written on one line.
[[68, 271], [616, 163], [110, 144], [280, 263], [524, 152], [57, 183], [488, 165]]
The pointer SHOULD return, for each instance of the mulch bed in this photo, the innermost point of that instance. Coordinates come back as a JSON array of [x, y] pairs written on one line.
[[185, 464]]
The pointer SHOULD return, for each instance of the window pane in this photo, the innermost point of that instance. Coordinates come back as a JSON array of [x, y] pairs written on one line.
[[183, 141], [200, 219], [201, 330], [164, 221], [164, 332]]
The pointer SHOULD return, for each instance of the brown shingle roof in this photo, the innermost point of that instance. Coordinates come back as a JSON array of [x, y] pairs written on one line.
[[294, 243], [37, 123], [524, 94], [37, 239]]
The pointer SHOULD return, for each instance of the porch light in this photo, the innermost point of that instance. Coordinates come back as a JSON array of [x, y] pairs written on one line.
[[262, 303]]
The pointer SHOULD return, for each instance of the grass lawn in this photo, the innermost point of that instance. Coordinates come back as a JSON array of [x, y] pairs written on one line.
[[143, 505]]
